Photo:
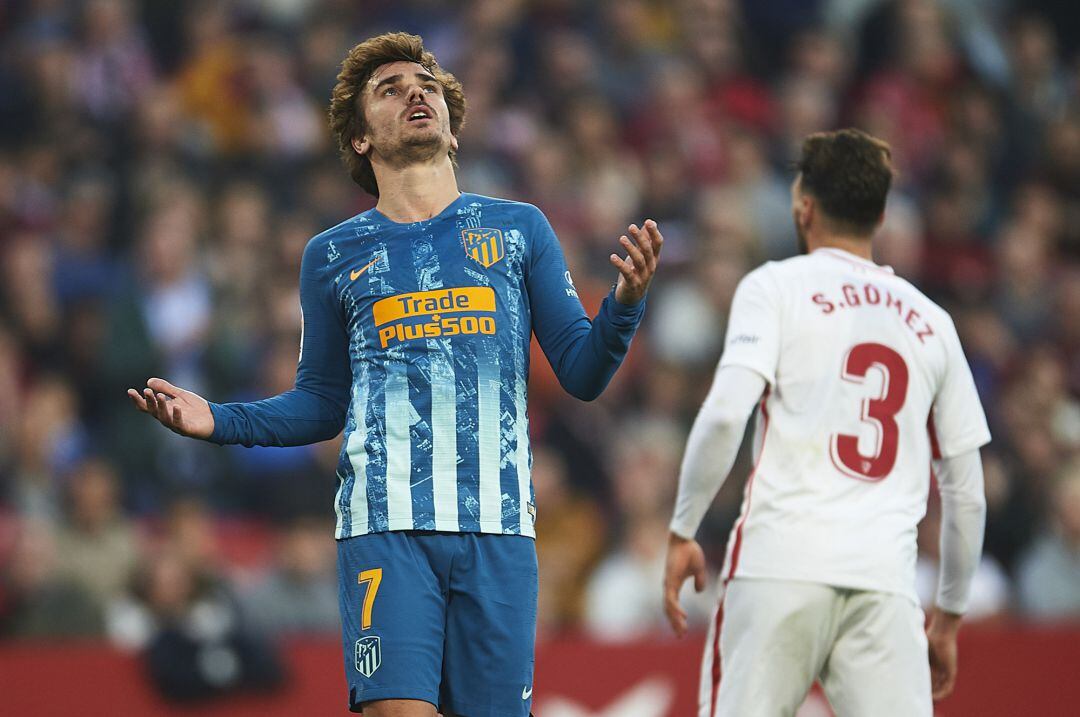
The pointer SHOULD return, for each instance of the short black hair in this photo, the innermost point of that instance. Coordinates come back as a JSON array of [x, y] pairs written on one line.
[[849, 173]]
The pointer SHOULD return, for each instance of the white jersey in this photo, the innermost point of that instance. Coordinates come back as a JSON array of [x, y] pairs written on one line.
[[866, 380]]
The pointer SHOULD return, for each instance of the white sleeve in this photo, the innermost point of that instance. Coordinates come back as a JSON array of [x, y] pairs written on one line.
[[958, 423], [753, 332], [713, 443], [963, 520]]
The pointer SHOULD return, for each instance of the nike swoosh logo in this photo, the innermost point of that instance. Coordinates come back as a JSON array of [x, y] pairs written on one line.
[[526, 693], [353, 275]]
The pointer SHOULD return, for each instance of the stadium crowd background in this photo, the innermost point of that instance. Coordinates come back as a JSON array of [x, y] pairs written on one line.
[[162, 165]]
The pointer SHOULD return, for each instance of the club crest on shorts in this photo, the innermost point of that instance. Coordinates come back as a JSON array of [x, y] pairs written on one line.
[[368, 655], [484, 246]]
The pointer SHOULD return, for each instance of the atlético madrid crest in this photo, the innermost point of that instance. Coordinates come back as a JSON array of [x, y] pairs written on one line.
[[484, 246], [368, 655]]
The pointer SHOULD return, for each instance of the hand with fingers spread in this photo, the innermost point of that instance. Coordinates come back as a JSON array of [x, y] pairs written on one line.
[[178, 410], [685, 558], [637, 269]]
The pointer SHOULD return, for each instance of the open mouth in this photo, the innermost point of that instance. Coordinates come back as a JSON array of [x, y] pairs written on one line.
[[418, 114]]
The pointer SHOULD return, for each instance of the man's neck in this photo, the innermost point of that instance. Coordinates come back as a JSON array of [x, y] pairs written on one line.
[[859, 246], [416, 192]]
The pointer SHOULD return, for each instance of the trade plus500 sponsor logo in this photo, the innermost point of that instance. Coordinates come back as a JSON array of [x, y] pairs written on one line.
[[422, 314]]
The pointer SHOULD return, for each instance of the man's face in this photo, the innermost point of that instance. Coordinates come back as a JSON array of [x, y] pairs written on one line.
[[405, 114], [800, 212]]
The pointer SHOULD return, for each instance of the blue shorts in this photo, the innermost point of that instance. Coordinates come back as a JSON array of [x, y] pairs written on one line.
[[448, 618]]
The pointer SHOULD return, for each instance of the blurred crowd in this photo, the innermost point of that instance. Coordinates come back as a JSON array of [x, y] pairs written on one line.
[[162, 165]]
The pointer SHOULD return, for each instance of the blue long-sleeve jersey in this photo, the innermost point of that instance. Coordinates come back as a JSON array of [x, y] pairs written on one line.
[[416, 342]]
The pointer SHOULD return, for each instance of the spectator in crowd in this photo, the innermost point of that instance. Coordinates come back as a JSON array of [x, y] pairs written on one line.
[[97, 547], [569, 540], [36, 599], [183, 614], [188, 626], [300, 593], [50, 440], [1049, 572], [621, 599]]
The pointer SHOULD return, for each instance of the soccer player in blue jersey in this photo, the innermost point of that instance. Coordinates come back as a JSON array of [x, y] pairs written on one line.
[[417, 319]]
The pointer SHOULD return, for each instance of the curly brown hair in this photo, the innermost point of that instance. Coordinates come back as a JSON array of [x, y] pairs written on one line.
[[849, 173], [346, 108]]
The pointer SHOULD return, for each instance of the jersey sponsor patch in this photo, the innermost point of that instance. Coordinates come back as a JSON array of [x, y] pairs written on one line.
[[420, 314]]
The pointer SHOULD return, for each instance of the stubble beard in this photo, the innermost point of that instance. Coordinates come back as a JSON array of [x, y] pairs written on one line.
[[419, 147]]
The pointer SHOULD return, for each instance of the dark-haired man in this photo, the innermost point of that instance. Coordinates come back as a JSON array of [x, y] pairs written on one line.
[[860, 382], [417, 321]]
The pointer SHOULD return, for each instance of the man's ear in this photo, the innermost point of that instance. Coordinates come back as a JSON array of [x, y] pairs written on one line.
[[361, 145], [808, 208], [453, 142]]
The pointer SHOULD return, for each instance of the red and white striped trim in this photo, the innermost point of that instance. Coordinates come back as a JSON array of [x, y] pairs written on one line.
[[716, 657]]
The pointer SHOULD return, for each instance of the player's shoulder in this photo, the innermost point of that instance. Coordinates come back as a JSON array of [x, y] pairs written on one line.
[[326, 242], [767, 275], [929, 307], [349, 227], [512, 207], [787, 267]]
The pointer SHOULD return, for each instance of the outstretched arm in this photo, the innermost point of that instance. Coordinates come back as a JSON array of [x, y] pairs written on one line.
[[314, 410], [710, 452], [585, 354]]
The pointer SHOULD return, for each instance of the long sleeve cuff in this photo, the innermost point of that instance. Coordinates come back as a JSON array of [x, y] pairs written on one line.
[[619, 314], [223, 425]]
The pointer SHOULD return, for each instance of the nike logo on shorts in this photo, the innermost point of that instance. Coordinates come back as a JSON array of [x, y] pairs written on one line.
[[526, 693]]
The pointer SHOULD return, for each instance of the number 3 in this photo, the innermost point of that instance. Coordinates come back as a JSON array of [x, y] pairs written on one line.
[[372, 577], [880, 412]]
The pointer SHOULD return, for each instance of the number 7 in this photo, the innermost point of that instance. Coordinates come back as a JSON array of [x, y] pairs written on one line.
[[373, 577]]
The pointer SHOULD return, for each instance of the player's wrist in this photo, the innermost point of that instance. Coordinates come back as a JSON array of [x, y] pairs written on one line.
[[626, 296], [944, 623], [675, 538]]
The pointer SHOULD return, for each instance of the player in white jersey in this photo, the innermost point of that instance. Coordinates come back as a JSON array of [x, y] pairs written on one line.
[[861, 389]]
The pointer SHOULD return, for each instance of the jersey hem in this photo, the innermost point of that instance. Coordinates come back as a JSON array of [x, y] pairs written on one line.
[[484, 527], [392, 693], [836, 581]]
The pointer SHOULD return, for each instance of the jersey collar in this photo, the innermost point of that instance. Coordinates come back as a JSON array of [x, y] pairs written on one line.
[[851, 258]]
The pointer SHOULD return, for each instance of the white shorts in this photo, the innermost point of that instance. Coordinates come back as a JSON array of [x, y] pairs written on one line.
[[776, 637]]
